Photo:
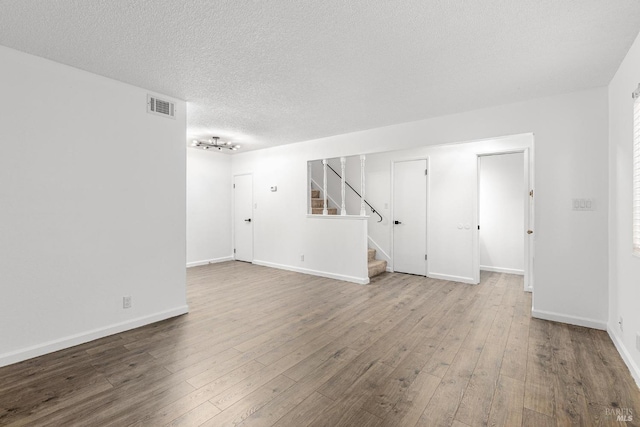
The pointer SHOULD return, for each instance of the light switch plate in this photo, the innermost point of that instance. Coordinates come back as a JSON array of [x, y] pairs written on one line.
[[583, 204]]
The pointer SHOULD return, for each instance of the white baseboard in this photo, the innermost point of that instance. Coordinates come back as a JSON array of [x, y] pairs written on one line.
[[353, 279], [631, 364], [209, 261], [468, 280], [83, 337], [502, 270], [571, 320]]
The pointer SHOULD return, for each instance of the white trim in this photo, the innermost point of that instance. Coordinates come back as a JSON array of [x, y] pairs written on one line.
[[571, 320], [380, 251], [209, 261], [502, 270], [352, 279], [631, 364], [635, 181], [321, 216], [467, 280], [84, 337]]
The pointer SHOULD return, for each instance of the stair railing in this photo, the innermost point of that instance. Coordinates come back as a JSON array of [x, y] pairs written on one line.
[[344, 182]]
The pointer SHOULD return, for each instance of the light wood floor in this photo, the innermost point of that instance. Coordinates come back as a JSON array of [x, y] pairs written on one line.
[[265, 347]]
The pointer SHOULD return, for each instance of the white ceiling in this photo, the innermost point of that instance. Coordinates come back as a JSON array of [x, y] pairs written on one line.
[[269, 72]]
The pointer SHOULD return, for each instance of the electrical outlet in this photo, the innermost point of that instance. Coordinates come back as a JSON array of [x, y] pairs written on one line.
[[301, 257], [126, 302], [620, 322]]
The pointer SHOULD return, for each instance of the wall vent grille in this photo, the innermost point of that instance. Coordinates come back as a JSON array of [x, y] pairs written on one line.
[[161, 107]]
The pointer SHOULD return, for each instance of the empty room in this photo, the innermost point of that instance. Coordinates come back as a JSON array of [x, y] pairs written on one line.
[[335, 213]]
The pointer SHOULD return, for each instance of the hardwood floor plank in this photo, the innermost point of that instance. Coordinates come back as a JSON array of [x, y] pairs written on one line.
[[215, 369], [608, 356], [244, 387], [199, 396], [443, 406], [240, 410], [264, 347], [539, 385], [296, 394], [358, 418], [395, 387], [428, 331], [311, 362], [507, 404], [411, 404], [514, 361], [196, 416], [571, 405], [476, 402], [118, 408], [308, 410], [351, 399], [535, 419], [34, 413]]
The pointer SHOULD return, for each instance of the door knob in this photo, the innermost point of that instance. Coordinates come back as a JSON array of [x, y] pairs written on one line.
[[529, 231], [248, 220], [397, 222]]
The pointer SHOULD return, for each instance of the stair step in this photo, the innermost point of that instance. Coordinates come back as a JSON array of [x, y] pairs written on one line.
[[317, 203], [371, 254], [315, 194], [330, 211], [377, 266]]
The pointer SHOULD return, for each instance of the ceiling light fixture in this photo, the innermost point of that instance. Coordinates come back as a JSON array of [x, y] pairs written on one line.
[[214, 142]]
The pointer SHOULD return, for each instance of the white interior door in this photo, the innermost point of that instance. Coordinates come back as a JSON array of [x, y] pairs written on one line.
[[410, 217], [243, 217]]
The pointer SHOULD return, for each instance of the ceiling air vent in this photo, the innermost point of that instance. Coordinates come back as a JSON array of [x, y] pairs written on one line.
[[161, 107]]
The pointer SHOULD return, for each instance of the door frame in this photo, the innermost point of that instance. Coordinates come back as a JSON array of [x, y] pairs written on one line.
[[233, 216], [529, 210], [392, 212]]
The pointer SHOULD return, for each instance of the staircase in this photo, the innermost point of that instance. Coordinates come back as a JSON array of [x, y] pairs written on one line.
[[317, 204], [376, 266]]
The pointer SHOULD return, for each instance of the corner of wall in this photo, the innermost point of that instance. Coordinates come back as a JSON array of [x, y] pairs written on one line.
[[626, 356]]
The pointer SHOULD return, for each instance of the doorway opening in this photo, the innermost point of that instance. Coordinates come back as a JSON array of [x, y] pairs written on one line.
[[505, 214]]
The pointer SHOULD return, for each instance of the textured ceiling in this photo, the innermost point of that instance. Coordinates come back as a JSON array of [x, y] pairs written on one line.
[[271, 72]]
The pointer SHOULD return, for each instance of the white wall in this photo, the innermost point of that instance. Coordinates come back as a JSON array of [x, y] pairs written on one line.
[[624, 268], [453, 180], [332, 247], [501, 213], [571, 142], [208, 207], [92, 196]]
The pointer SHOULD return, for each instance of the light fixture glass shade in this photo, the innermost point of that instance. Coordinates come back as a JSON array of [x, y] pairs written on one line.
[[214, 142]]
